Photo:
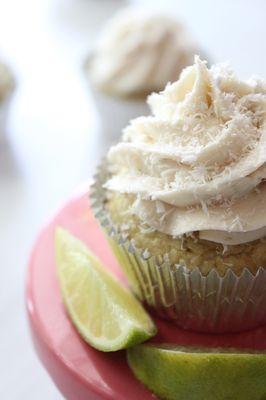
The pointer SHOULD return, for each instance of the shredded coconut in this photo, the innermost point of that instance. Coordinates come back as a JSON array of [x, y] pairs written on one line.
[[199, 161]]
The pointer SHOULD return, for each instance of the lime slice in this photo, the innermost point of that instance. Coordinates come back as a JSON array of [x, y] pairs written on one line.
[[106, 314], [187, 373]]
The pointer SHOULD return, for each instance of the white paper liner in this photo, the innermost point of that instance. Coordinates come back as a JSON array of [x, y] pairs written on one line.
[[114, 112], [210, 303], [4, 110]]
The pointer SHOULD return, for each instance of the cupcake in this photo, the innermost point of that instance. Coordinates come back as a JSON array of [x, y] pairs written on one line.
[[6, 89], [138, 52], [182, 199]]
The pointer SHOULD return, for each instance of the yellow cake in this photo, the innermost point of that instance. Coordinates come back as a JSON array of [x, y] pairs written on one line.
[[189, 250]]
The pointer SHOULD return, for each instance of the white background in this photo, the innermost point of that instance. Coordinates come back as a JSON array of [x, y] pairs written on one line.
[[51, 140]]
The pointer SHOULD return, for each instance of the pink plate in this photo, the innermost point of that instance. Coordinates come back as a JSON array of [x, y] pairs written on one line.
[[79, 371]]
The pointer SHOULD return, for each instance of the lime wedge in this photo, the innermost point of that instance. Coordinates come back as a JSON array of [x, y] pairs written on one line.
[[187, 373], [106, 314]]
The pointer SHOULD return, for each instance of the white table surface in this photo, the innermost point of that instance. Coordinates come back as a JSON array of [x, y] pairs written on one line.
[[51, 142]]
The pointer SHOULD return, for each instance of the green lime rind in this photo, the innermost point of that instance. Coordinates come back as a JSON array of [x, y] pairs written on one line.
[[180, 373], [105, 313]]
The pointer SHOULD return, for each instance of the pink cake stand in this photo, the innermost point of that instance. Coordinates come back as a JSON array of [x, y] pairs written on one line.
[[79, 371]]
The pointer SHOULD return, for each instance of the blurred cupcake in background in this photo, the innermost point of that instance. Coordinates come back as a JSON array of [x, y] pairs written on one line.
[[182, 199], [138, 52], [7, 84]]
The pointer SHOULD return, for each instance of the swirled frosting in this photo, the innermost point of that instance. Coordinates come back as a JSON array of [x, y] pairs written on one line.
[[139, 52], [197, 164]]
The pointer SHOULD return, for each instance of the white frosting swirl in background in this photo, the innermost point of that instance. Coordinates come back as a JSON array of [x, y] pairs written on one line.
[[198, 163], [138, 52]]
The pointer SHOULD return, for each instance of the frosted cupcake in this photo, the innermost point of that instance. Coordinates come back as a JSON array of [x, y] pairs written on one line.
[[138, 52], [6, 88], [183, 201]]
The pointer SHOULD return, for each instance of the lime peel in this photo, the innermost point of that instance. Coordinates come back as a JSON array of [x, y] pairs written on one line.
[[105, 313], [181, 373]]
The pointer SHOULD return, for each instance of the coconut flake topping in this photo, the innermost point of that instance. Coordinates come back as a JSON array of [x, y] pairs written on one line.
[[200, 156]]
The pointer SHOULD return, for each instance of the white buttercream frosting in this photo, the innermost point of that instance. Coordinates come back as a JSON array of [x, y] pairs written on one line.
[[138, 52], [198, 162]]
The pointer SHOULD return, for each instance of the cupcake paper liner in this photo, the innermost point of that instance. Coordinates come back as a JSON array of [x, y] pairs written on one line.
[[4, 110], [8, 86], [114, 112], [210, 303]]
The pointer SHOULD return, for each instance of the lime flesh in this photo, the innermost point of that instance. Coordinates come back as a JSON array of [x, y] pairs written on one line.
[[187, 373], [105, 313]]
